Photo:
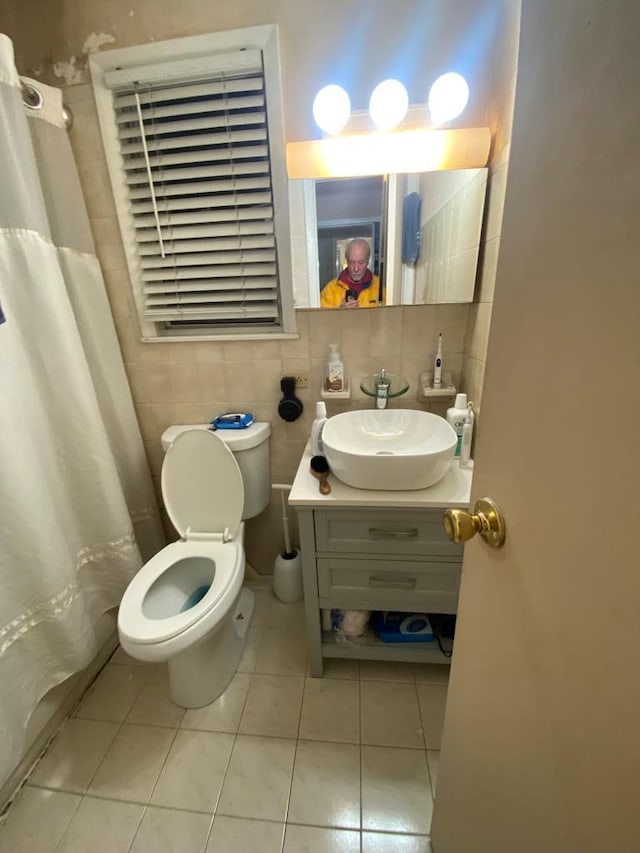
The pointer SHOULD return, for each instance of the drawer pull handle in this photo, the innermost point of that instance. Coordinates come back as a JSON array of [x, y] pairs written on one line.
[[381, 533], [409, 583]]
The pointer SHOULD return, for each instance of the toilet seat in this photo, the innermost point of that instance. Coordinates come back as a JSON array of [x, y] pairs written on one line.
[[202, 485], [204, 497], [137, 627]]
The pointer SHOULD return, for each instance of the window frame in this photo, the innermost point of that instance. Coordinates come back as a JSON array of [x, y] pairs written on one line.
[[196, 50]]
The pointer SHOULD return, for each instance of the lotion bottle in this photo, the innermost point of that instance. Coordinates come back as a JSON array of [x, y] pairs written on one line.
[[316, 429], [335, 370], [456, 416], [467, 433]]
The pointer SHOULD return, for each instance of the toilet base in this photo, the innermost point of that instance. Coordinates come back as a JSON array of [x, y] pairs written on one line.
[[200, 674]]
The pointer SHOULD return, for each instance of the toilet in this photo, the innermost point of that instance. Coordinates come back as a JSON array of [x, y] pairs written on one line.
[[187, 605]]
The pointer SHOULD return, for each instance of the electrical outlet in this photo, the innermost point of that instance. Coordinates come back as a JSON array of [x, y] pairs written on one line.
[[301, 377]]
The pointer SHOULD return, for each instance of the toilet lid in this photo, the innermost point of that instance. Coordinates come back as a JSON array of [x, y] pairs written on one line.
[[202, 484]]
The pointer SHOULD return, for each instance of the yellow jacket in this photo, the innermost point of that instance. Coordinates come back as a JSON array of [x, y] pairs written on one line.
[[332, 294]]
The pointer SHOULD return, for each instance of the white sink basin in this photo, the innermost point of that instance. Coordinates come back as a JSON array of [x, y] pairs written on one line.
[[389, 449]]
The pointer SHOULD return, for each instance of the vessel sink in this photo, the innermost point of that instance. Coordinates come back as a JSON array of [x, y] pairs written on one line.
[[389, 449]]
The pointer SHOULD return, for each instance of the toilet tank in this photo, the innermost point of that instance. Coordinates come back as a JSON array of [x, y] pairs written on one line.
[[250, 447]]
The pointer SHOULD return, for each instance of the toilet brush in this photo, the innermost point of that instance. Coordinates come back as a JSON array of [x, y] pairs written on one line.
[[287, 569]]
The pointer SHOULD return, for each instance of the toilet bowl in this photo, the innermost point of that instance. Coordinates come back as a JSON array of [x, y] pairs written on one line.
[[187, 606]]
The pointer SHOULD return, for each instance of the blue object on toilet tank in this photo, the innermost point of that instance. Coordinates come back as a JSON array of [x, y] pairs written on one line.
[[232, 420]]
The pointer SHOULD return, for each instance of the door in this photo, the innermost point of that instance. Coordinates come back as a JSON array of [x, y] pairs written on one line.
[[541, 748]]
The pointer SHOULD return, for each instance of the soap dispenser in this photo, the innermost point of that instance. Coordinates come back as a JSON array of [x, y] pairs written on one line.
[[334, 380]]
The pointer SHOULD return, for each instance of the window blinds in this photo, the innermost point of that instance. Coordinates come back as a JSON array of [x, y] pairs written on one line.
[[198, 180]]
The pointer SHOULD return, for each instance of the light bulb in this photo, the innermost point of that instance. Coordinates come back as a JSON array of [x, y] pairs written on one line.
[[388, 104], [331, 108], [448, 97]]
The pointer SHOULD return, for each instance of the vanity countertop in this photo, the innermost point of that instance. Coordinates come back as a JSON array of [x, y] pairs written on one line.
[[454, 490]]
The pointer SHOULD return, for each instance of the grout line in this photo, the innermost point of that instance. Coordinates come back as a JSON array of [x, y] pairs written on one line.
[[135, 834], [141, 725], [106, 752], [141, 803], [209, 831], [68, 823], [431, 781], [256, 819], [155, 784], [231, 751], [422, 719], [351, 829], [345, 829], [331, 827], [27, 781], [283, 836], [393, 746], [295, 756], [75, 715]]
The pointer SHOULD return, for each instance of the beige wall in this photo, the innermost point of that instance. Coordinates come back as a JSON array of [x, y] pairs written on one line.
[[479, 320], [500, 119], [363, 41], [192, 382]]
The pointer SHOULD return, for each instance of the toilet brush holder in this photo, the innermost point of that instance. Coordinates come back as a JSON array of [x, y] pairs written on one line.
[[287, 577], [287, 569]]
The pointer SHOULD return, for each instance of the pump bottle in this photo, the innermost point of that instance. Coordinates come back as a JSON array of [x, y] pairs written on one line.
[[467, 434], [335, 370], [456, 416], [316, 429]]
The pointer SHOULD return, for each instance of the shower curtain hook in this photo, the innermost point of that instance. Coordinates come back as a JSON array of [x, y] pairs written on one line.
[[31, 97]]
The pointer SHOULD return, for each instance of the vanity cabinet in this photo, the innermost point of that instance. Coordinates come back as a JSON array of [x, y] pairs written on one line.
[[365, 550]]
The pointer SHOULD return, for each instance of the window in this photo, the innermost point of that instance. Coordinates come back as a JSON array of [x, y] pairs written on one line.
[[195, 150]]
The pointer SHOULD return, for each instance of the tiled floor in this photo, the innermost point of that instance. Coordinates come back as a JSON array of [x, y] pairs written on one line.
[[280, 762]]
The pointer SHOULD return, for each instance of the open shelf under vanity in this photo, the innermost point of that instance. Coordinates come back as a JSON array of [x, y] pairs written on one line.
[[369, 647]]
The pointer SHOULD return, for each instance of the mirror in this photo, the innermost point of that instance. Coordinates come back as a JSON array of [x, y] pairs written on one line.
[[444, 207], [347, 208]]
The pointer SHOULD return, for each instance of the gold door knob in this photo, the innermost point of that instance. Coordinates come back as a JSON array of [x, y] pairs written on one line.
[[486, 519]]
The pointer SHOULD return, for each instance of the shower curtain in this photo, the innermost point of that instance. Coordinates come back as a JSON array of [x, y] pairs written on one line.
[[78, 515]]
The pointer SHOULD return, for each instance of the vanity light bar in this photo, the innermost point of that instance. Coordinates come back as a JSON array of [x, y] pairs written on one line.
[[389, 153]]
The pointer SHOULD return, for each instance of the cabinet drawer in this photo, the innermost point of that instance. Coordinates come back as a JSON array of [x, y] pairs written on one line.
[[427, 586], [399, 532]]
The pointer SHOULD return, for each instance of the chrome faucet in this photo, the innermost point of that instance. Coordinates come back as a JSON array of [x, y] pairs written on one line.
[[382, 390]]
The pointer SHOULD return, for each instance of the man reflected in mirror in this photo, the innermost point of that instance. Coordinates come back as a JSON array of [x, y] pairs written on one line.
[[356, 286]]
